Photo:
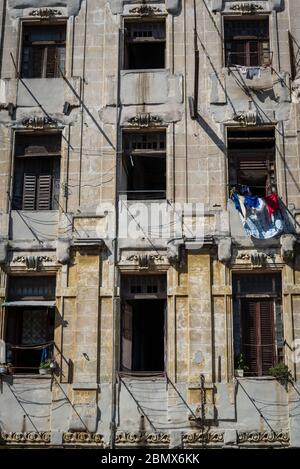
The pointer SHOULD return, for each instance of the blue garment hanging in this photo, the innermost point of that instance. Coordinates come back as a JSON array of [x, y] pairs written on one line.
[[244, 190], [251, 201], [236, 201], [44, 355]]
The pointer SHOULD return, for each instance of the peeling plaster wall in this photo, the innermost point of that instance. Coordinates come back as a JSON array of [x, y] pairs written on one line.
[[199, 288]]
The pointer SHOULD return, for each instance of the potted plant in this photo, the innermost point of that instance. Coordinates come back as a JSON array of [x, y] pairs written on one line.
[[45, 367], [240, 365], [3, 368], [281, 372]]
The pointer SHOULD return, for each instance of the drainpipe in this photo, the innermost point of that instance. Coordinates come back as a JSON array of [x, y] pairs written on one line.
[[82, 89], [115, 296], [196, 76], [2, 35], [193, 101]]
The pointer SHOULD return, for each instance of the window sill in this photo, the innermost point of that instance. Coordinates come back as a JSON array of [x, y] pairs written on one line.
[[30, 376], [144, 70], [256, 378]]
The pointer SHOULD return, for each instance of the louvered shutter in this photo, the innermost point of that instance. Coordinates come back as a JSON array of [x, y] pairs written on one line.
[[51, 71], [37, 62], [249, 313], [258, 342], [267, 335], [44, 192], [127, 314], [29, 192]]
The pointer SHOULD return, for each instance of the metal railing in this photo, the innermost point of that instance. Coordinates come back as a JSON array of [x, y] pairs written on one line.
[[144, 194], [250, 59]]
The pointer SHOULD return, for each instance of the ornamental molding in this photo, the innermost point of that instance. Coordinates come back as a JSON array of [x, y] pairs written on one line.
[[264, 437], [257, 259], [145, 120], [247, 8], [25, 437], [32, 262], [83, 437], [144, 261], [45, 13], [39, 123], [247, 118], [145, 10], [142, 438], [196, 438]]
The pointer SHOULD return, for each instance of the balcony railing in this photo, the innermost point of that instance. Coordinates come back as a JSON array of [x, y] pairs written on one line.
[[250, 59]]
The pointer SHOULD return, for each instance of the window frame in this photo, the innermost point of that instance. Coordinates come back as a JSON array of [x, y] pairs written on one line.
[[38, 200], [142, 40], [275, 298], [247, 40], [126, 160], [251, 156], [28, 291], [59, 23]]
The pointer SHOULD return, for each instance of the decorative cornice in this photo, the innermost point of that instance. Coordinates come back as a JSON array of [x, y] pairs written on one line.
[[83, 437], [247, 118], [144, 261], [196, 438], [264, 437], [142, 439], [258, 259], [145, 120], [38, 123], [24, 437], [145, 10], [32, 262], [246, 8], [45, 13]]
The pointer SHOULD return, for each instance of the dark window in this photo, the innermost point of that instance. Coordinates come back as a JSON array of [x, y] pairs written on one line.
[[37, 172], [258, 329], [143, 316], [247, 42], [145, 44], [30, 324], [294, 48], [144, 166], [29, 288], [43, 54], [251, 157]]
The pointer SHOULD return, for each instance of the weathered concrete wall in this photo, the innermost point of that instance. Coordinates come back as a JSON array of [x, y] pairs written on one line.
[[199, 287]]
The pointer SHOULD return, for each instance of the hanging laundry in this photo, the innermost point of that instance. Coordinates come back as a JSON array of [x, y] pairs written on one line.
[[242, 204], [239, 203], [251, 201], [272, 203], [258, 223], [253, 72], [244, 190], [243, 70], [236, 201]]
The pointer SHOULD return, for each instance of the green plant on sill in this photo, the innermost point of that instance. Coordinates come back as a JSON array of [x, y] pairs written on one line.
[[240, 362], [46, 364], [281, 372]]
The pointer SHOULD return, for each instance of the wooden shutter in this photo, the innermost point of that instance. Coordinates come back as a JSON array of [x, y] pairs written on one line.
[[258, 342], [44, 192], [126, 359], [267, 335], [37, 62], [51, 70], [249, 313], [29, 192]]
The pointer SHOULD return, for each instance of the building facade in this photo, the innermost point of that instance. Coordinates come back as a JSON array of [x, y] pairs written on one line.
[[149, 223]]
